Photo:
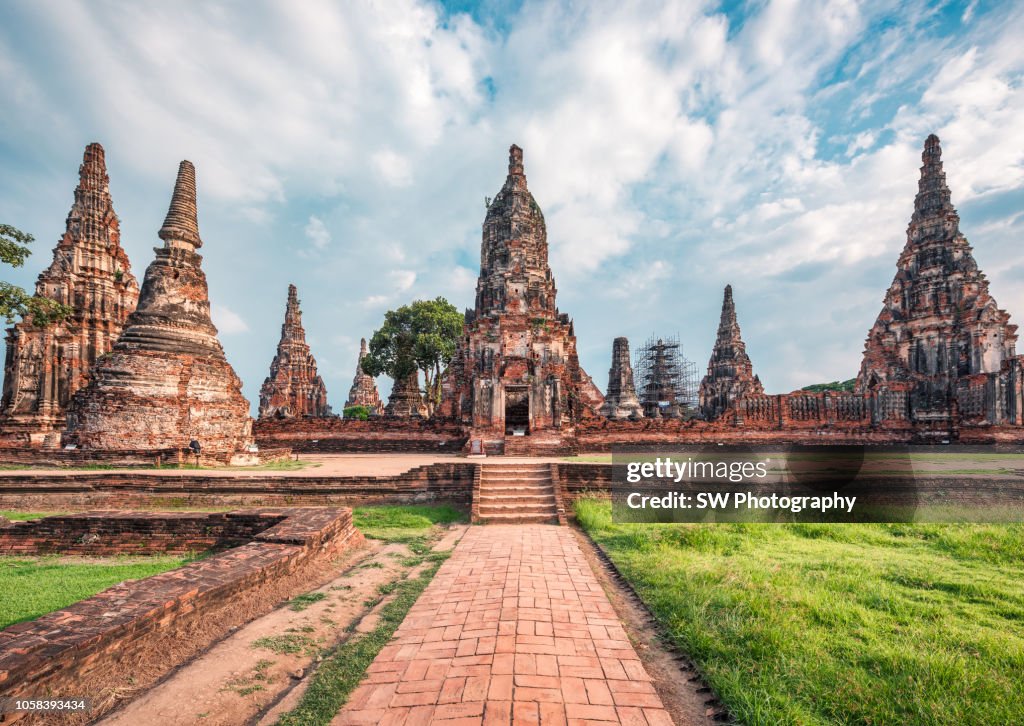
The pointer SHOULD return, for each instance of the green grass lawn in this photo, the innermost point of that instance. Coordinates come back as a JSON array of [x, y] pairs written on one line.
[[838, 624], [34, 586], [24, 516], [398, 523]]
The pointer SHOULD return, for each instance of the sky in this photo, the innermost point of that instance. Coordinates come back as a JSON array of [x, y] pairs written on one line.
[[674, 147]]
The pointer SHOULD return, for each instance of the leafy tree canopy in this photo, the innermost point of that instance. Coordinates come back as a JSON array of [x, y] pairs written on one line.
[[419, 336], [15, 301]]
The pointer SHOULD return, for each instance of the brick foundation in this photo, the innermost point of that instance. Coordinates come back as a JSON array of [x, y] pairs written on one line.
[[96, 646], [343, 435], [42, 457], [449, 483], [103, 533]]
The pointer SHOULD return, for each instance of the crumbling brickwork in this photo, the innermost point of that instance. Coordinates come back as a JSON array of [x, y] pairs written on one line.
[[90, 273], [167, 381], [516, 370], [941, 349], [405, 400], [730, 373], [621, 400], [293, 388], [364, 389]]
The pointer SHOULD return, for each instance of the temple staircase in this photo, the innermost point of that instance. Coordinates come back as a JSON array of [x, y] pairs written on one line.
[[515, 494]]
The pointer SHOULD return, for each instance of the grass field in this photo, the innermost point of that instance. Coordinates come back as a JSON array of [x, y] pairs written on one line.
[[398, 523], [838, 624], [24, 516], [34, 586]]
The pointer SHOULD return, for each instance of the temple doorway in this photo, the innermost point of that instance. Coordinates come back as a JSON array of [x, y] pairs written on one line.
[[517, 411]]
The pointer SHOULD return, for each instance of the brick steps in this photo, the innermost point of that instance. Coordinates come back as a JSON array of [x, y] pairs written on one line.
[[516, 494]]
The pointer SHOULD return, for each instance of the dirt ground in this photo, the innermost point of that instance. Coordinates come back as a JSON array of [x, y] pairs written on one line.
[[259, 672]]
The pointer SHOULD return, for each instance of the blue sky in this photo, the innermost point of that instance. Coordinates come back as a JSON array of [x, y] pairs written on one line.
[[674, 147]]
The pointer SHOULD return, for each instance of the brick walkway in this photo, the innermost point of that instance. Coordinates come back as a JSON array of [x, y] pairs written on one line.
[[514, 629]]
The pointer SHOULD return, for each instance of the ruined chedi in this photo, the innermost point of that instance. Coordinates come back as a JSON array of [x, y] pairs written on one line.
[[405, 400], [91, 274], [730, 373], [940, 339], [364, 390], [166, 382], [621, 400], [516, 369], [293, 389]]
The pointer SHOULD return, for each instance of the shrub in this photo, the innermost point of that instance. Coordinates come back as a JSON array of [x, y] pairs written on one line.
[[357, 412]]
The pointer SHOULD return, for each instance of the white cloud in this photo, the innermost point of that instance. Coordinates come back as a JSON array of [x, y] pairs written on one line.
[[227, 320], [393, 168], [317, 233]]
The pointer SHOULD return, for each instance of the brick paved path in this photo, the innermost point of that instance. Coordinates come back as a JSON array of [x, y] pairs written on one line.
[[514, 629]]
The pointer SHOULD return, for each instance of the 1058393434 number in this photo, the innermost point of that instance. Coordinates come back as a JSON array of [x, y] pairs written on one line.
[[10, 704]]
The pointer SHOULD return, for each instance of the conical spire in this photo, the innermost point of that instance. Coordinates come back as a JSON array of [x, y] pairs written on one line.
[[293, 388], [364, 390], [933, 196], [91, 273], [92, 174], [728, 319], [363, 352], [92, 218], [730, 373], [621, 400], [516, 173], [515, 161], [292, 314], [182, 223]]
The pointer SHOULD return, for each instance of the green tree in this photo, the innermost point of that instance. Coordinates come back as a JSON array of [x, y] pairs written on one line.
[[360, 412], [419, 336], [15, 301]]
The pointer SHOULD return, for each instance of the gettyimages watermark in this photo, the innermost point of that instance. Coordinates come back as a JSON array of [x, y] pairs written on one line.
[[792, 483]]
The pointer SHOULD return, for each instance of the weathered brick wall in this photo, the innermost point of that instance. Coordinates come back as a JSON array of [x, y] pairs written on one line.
[[138, 533], [449, 483], [60, 458], [354, 436], [601, 435], [576, 480], [89, 648]]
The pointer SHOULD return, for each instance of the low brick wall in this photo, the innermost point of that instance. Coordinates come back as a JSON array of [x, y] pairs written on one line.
[[339, 435], [600, 435], [449, 483], [576, 480], [92, 648], [133, 533], [39, 457]]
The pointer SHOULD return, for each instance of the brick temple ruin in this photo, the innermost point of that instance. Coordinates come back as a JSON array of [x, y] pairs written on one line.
[[90, 272], [293, 389], [730, 373], [166, 382], [364, 389], [406, 399], [942, 352], [621, 400], [516, 380]]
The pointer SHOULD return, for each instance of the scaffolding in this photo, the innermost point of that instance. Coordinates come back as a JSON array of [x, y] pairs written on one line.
[[667, 381]]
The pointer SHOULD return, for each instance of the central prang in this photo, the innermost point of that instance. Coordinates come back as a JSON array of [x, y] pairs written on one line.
[[516, 373]]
